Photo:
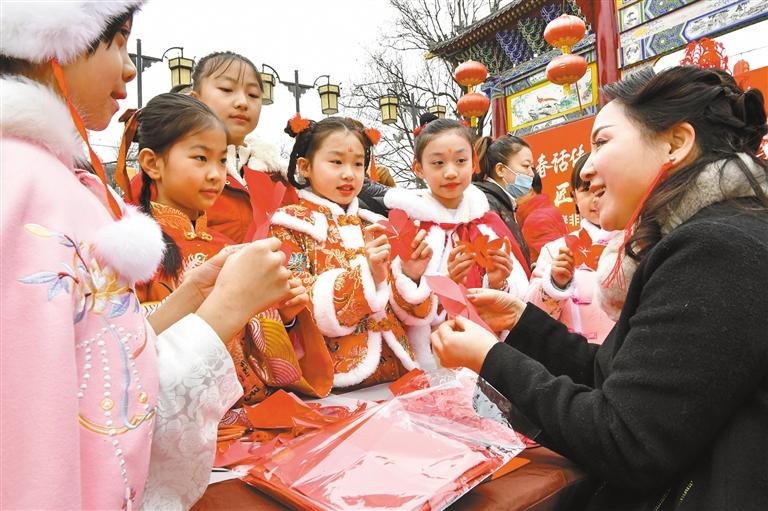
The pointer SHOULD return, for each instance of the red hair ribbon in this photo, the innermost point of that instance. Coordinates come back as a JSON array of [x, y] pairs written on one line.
[[298, 124]]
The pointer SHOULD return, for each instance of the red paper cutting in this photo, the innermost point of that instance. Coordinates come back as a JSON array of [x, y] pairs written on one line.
[[401, 231], [266, 197], [584, 250], [480, 247], [453, 298]]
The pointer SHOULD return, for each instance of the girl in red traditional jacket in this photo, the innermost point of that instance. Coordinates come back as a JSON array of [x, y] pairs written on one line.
[[454, 213], [342, 257], [182, 154], [230, 85]]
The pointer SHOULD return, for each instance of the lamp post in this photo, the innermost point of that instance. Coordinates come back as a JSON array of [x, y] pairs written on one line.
[[181, 67], [329, 92]]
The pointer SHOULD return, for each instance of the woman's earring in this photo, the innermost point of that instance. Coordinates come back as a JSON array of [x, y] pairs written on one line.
[[672, 158]]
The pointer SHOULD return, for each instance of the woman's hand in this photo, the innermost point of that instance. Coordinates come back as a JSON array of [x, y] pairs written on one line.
[[459, 263], [562, 268], [499, 269], [461, 343], [415, 267], [251, 280], [377, 252], [299, 299], [500, 310]]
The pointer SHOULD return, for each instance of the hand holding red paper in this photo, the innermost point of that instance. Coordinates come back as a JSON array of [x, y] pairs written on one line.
[[462, 343], [401, 231], [562, 267], [377, 250], [453, 298], [500, 310], [297, 301], [460, 263], [266, 197], [416, 265], [584, 250]]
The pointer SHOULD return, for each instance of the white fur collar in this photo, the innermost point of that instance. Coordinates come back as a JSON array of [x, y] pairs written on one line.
[[336, 210], [258, 155], [422, 206], [34, 112]]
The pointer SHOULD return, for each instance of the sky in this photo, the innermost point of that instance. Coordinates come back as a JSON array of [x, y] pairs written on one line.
[[316, 37]]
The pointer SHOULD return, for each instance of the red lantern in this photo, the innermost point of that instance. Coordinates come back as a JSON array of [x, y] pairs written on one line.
[[470, 73], [473, 104], [566, 69], [565, 31]]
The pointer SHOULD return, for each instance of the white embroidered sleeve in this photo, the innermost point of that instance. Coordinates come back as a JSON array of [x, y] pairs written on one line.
[[198, 385]]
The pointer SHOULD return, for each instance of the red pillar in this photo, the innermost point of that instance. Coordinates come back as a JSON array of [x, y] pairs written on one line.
[[606, 41], [498, 117]]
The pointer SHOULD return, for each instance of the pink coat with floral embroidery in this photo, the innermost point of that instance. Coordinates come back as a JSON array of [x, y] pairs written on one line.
[[78, 386]]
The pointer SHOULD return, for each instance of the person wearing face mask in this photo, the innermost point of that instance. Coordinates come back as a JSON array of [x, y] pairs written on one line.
[[540, 221], [495, 159]]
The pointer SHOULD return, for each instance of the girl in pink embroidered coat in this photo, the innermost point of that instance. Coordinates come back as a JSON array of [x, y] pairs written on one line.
[[342, 256], [565, 290], [120, 418], [453, 212]]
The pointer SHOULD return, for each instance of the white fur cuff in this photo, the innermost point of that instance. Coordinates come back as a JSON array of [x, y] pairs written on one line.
[[324, 309], [408, 289], [376, 296], [399, 351], [365, 368], [553, 291]]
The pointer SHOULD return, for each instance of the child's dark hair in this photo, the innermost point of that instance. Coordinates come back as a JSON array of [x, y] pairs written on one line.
[[217, 63], [112, 29], [436, 127], [165, 120], [492, 152], [578, 184], [309, 140]]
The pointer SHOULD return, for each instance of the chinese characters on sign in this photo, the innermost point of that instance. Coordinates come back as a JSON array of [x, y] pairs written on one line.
[[554, 151]]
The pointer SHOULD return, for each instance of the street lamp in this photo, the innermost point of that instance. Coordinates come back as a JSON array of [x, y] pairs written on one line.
[[181, 68], [389, 102], [388, 106], [329, 93]]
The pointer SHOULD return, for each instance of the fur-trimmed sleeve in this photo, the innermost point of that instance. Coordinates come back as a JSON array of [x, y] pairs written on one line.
[[542, 292], [414, 303], [339, 298]]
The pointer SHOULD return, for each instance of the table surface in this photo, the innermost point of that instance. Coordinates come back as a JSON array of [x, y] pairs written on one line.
[[550, 482]]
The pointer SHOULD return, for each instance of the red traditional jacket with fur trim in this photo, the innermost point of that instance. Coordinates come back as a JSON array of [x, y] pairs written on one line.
[[361, 322], [264, 354]]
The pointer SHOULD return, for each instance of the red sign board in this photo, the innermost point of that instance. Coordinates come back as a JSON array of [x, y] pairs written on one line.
[[554, 152]]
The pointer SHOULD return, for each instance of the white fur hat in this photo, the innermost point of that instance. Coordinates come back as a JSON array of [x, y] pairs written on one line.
[[37, 31]]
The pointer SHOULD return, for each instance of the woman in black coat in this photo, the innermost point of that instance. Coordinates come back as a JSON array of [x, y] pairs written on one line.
[[671, 412]]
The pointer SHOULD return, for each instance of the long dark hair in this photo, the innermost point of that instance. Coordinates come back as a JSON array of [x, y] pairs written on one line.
[[726, 120], [310, 139], [165, 120], [218, 63], [492, 152]]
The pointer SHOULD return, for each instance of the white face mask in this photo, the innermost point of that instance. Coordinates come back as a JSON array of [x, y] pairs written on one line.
[[520, 186]]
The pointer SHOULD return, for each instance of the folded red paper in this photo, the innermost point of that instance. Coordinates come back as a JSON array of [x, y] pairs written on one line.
[[401, 232], [453, 298]]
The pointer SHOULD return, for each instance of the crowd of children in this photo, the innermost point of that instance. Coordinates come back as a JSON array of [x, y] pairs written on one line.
[[323, 302]]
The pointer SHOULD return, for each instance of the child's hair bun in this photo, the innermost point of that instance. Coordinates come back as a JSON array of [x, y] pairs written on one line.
[[296, 125]]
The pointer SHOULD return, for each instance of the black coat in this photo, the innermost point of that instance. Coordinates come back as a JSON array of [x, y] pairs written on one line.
[[671, 412], [372, 197], [500, 202]]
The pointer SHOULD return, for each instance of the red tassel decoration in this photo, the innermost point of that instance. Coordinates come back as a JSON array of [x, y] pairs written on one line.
[[617, 273]]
